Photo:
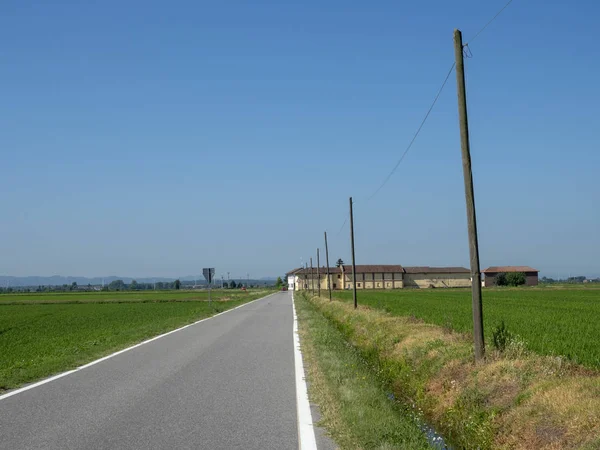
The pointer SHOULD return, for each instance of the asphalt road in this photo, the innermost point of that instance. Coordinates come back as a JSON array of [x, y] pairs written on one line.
[[225, 383]]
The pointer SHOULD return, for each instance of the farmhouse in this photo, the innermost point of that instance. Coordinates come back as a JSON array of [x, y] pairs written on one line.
[[379, 277], [531, 274]]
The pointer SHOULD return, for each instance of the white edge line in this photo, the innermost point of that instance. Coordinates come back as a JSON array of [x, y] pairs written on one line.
[[306, 431], [69, 372]]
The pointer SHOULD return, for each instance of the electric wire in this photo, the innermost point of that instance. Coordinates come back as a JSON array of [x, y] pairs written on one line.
[[415, 135], [468, 54], [487, 24]]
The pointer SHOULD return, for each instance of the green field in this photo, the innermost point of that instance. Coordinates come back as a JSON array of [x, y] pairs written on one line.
[[120, 297], [42, 334], [551, 321]]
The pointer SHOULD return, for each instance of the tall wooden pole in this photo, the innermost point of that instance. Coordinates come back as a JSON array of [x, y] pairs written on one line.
[[327, 260], [306, 267], [312, 280], [353, 258], [470, 197], [318, 274]]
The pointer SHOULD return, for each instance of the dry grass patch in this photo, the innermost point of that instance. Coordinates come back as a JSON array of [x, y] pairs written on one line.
[[512, 400], [562, 413]]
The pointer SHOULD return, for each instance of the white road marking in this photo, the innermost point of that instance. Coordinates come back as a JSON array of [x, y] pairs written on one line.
[[306, 431], [64, 374]]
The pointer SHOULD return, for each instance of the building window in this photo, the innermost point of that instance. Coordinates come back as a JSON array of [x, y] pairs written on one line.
[[378, 284], [358, 284], [339, 276]]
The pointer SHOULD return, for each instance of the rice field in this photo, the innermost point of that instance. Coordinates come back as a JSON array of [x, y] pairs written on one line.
[[559, 322]]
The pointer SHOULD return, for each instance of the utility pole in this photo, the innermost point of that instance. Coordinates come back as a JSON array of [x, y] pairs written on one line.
[[318, 274], [470, 197], [306, 271], [312, 280], [327, 260], [353, 258]]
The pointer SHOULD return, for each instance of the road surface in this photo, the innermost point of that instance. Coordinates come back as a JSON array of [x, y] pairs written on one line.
[[224, 383]]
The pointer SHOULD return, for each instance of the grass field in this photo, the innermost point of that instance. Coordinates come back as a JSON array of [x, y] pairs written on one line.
[[43, 334], [551, 321]]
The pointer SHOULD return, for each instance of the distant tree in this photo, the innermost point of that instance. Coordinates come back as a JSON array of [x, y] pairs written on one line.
[[232, 284], [515, 278], [116, 285], [134, 285], [339, 263], [73, 286], [177, 284], [279, 283]]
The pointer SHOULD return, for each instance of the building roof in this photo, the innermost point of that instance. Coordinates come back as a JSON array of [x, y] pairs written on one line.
[[427, 269], [395, 268], [365, 268], [503, 269], [322, 270]]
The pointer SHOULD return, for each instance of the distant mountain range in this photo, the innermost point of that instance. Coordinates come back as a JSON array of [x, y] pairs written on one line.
[[57, 280]]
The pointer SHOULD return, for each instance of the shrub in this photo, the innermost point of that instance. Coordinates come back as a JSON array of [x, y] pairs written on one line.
[[501, 280], [501, 337]]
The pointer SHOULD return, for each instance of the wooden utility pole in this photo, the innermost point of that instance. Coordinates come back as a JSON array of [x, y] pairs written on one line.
[[318, 274], [470, 197], [312, 280], [353, 259], [306, 267], [327, 260]]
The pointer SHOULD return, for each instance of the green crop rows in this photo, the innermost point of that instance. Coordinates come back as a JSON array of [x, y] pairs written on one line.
[[121, 297], [551, 321]]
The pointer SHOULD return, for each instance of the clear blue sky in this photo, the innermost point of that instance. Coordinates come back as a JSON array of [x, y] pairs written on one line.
[[156, 138]]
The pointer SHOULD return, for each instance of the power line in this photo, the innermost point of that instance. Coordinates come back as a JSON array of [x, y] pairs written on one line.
[[342, 227], [416, 134], [430, 109], [487, 24], [345, 221]]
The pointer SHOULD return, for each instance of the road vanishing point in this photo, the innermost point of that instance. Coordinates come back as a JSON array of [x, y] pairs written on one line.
[[228, 382]]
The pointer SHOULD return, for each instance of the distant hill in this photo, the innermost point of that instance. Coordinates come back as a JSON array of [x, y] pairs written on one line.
[[57, 280]]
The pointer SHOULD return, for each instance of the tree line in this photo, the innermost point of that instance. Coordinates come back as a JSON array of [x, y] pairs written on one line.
[[120, 285]]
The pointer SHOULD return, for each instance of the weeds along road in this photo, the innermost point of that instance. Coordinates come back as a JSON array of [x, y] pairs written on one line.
[[224, 383]]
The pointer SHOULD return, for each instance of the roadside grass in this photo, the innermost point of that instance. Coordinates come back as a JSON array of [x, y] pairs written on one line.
[[513, 400], [355, 408], [38, 340], [550, 321]]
